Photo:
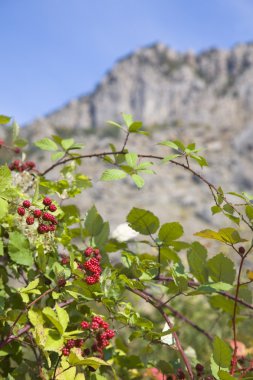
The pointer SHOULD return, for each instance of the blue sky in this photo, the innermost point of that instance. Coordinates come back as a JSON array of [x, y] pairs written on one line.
[[55, 50]]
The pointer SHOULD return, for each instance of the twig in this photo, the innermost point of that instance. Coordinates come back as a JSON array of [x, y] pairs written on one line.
[[158, 306]]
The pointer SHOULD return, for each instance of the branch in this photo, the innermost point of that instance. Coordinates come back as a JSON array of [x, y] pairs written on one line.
[[159, 307]]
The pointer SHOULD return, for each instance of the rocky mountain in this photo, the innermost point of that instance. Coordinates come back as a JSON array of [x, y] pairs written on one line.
[[205, 97]]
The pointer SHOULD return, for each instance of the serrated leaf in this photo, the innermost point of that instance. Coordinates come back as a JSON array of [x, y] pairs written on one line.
[[19, 249], [4, 119], [223, 303], [46, 144], [138, 180], [63, 317], [35, 317], [221, 353], [211, 288], [67, 143], [249, 212], [226, 235], [5, 178], [93, 222], [170, 232], [131, 159], [75, 359], [30, 287], [53, 317], [143, 221], [57, 156], [3, 208], [135, 126], [54, 340], [128, 119], [170, 144], [196, 256], [112, 175], [221, 269]]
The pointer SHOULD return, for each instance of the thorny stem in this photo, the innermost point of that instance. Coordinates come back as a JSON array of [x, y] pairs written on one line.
[[159, 307]]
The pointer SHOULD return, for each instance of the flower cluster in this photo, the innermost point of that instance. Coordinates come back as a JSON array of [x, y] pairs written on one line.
[[91, 266], [98, 336], [46, 221], [20, 166]]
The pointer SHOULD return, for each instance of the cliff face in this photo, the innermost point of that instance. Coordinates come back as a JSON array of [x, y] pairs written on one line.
[[161, 86], [207, 98]]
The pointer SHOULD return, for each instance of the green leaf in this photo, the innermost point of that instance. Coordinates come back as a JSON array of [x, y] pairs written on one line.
[[46, 144], [19, 249], [54, 340], [128, 119], [76, 359], [15, 131], [57, 155], [53, 317], [62, 316], [67, 143], [112, 175], [131, 159], [223, 375], [169, 158], [249, 212], [226, 235], [220, 302], [196, 256], [169, 232], [216, 209], [138, 180], [221, 353], [114, 124], [143, 221], [5, 178], [211, 288], [170, 144], [4, 119], [93, 222], [31, 287], [3, 208], [35, 317], [221, 269], [135, 126]]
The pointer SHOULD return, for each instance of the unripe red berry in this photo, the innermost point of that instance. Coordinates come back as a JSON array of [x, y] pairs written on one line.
[[61, 282], [104, 325], [26, 204], [85, 325], [30, 164], [180, 374], [94, 325], [96, 251], [29, 220], [241, 250], [88, 251], [17, 150], [110, 334], [47, 201], [199, 368], [37, 213], [79, 343], [21, 211], [70, 343], [91, 280], [52, 208], [65, 351], [42, 229]]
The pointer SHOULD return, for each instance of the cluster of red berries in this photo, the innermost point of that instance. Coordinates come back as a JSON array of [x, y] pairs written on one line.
[[98, 334], [20, 166], [91, 266], [41, 215]]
